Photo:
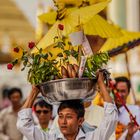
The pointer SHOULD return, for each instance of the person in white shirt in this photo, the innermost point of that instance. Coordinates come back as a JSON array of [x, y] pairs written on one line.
[[132, 133], [71, 117], [43, 112], [91, 120]]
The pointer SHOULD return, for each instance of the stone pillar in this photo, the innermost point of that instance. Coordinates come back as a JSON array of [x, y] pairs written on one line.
[[117, 12], [133, 15]]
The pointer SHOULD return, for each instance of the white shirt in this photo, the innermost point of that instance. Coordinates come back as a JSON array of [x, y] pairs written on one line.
[[91, 120], [26, 126], [125, 119]]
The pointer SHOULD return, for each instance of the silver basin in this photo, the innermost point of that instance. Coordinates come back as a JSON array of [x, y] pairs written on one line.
[[56, 91]]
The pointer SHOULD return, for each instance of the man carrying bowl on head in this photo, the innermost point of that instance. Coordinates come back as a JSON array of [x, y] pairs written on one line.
[[71, 117]]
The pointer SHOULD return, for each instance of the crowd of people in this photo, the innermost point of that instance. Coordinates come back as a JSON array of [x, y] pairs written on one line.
[[34, 119]]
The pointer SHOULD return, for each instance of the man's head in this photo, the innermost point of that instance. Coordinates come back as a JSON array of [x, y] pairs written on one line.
[[43, 111], [15, 96], [71, 116], [123, 87]]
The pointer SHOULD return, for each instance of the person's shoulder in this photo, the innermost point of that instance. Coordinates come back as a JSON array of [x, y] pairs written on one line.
[[5, 111], [95, 107], [133, 107]]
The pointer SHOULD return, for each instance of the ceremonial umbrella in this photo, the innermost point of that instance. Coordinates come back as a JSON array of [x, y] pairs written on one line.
[[116, 46], [70, 20]]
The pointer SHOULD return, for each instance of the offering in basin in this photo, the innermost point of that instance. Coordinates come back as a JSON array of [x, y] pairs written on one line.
[[67, 89]]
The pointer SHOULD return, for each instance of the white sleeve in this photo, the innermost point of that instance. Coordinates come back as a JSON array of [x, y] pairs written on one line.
[[108, 124], [26, 126]]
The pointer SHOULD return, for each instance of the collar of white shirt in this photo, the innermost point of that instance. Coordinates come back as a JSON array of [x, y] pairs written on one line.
[[81, 135]]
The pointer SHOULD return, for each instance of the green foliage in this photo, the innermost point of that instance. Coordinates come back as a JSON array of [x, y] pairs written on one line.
[[94, 63]]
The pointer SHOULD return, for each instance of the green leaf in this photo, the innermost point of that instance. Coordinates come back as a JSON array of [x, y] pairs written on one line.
[[60, 55], [32, 55], [15, 62], [45, 56], [36, 59], [55, 38], [25, 63], [67, 52], [25, 58], [50, 54], [40, 50], [41, 65], [23, 69], [24, 52], [60, 45], [69, 43]]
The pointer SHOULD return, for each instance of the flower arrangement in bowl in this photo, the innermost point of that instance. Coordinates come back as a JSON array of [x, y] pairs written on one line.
[[62, 76]]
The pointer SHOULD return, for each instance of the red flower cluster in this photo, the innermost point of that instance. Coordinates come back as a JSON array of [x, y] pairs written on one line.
[[31, 45], [16, 49], [61, 27], [9, 66]]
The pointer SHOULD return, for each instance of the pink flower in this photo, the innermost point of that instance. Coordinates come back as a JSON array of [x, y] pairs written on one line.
[[16, 49], [31, 45], [61, 27], [9, 66]]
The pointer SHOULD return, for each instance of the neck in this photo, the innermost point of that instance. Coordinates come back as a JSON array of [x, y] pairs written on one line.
[[44, 125], [71, 136]]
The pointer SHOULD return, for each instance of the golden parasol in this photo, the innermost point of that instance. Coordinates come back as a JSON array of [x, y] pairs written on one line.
[[96, 26], [71, 20], [99, 26], [120, 45]]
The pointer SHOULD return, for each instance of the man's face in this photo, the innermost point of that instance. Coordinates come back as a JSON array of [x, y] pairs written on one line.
[[123, 92], [15, 98], [68, 121], [44, 114]]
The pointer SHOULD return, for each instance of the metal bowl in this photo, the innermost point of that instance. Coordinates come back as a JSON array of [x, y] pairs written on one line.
[[67, 89]]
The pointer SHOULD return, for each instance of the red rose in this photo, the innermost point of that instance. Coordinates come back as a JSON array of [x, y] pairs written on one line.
[[31, 45], [16, 49], [9, 66], [61, 27]]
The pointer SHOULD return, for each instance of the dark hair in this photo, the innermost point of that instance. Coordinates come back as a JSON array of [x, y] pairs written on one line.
[[76, 105], [13, 90], [43, 103], [123, 79]]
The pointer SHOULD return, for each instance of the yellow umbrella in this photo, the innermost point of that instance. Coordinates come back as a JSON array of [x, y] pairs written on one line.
[[71, 20], [51, 17], [125, 42], [99, 26], [95, 1], [78, 2], [67, 2], [96, 26]]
